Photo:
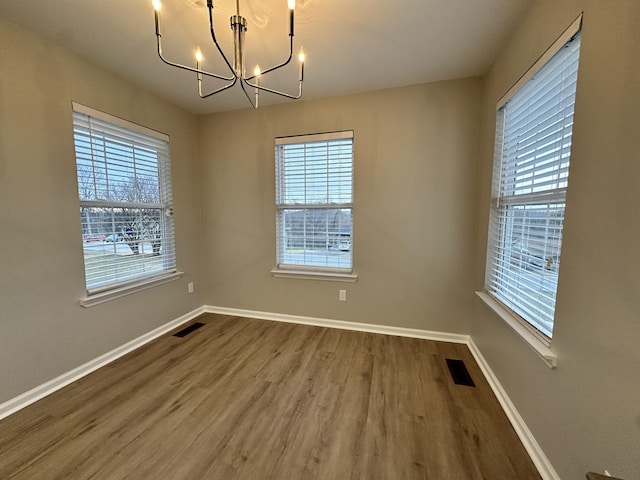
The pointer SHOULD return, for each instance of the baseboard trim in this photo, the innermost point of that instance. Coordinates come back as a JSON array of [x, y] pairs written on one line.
[[47, 388], [539, 459], [342, 324]]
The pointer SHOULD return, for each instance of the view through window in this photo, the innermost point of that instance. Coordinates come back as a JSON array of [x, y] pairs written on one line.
[[314, 202], [124, 186], [531, 173]]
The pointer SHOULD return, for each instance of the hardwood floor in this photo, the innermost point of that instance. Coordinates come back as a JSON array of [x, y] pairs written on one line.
[[252, 399]]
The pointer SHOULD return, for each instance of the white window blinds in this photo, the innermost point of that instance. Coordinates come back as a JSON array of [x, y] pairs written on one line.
[[531, 171], [314, 202], [124, 186]]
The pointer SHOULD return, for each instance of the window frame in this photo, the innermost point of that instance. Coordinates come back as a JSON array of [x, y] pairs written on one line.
[[284, 205], [89, 126], [498, 232]]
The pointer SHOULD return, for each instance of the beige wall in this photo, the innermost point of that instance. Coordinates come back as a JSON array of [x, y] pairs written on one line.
[[43, 330], [415, 153], [585, 414]]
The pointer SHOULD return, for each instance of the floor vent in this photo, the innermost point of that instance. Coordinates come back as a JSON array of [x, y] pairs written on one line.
[[191, 328], [459, 373]]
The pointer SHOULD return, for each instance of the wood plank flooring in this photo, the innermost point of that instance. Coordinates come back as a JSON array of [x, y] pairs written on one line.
[[251, 399]]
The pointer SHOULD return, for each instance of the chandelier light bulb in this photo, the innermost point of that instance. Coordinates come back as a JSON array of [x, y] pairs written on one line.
[[292, 4], [257, 71], [157, 5], [198, 55], [301, 66]]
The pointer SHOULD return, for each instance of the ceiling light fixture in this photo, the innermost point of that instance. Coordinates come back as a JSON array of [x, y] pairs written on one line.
[[237, 67]]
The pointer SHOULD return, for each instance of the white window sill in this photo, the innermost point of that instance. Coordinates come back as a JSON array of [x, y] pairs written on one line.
[[537, 345], [106, 296], [311, 275]]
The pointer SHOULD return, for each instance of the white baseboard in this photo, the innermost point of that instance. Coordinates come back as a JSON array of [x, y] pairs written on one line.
[[540, 460], [47, 388], [342, 324], [546, 470]]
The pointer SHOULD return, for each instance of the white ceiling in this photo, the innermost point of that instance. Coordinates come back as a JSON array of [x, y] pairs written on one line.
[[351, 45]]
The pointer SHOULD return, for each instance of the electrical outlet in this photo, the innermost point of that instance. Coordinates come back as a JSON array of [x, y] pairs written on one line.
[[190, 287], [342, 295]]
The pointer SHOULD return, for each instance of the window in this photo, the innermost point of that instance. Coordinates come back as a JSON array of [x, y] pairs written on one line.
[[531, 173], [124, 185], [314, 202]]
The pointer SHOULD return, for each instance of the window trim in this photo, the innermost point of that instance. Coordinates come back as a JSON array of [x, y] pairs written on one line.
[[541, 348], [120, 122], [314, 275], [528, 332], [311, 272], [141, 284], [561, 41], [103, 293]]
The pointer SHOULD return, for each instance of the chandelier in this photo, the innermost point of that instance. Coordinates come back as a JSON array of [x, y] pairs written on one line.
[[237, 65]]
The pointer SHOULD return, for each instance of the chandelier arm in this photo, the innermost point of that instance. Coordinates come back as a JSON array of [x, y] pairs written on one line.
[[185, 67], [215, 40], [244, 89], [207, 95], [282, 94], [286, 62]]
